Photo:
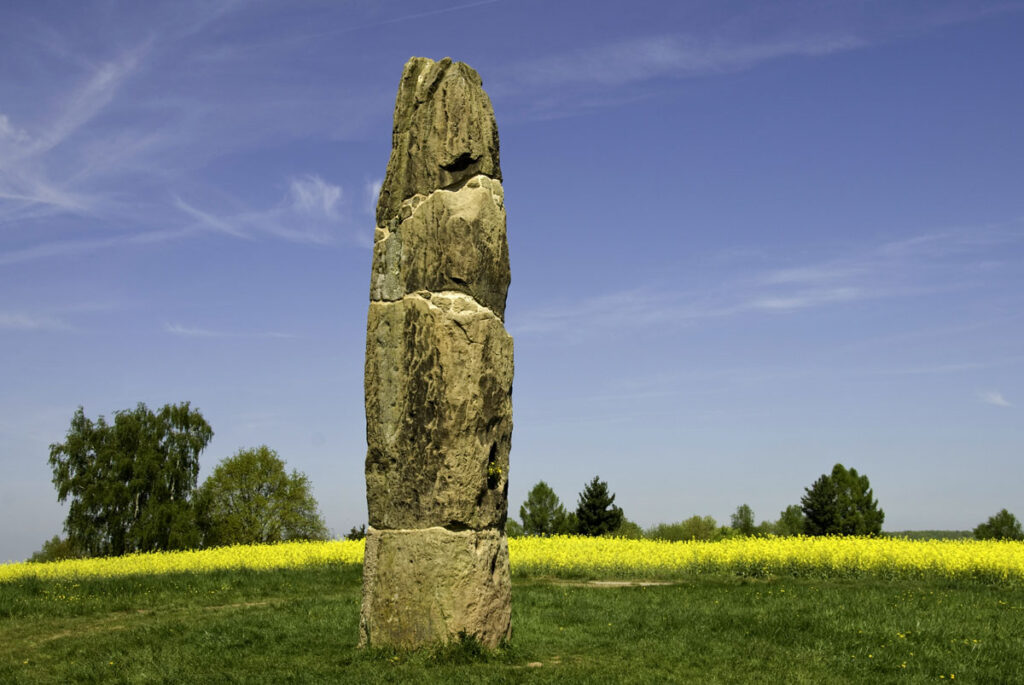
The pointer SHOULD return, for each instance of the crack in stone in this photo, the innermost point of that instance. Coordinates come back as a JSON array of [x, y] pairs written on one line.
[[453, 527], [428, 297], [417, 200]]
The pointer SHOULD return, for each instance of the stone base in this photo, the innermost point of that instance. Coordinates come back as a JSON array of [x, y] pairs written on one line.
[[422, 587]]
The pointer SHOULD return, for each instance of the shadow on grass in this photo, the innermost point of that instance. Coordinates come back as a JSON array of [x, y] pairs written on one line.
[[463, 650]]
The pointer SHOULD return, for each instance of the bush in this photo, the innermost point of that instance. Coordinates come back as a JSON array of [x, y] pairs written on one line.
[[1001, 526], [56, 549], [627, 529], [693, 528]]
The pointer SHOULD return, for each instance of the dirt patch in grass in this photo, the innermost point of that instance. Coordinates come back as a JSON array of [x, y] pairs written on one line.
[[615, 583]]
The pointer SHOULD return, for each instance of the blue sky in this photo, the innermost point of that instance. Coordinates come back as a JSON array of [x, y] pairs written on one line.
[[748, 240]]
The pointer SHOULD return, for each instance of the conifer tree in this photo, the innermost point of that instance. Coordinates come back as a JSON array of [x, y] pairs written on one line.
[[841, 503], [596, 513], [542, 513]]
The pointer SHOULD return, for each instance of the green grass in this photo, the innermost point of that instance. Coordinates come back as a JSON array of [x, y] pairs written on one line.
[[302, 626]]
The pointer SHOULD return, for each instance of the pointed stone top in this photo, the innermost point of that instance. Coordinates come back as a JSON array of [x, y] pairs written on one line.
[[444, 133]]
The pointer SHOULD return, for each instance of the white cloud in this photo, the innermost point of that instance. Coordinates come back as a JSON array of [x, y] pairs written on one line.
[[59, 248], [190, 332], [371, 192], [28, 322], [650, 57], [91, 98], [312, 195], [922, 265], [194, 332], [312, 211], [805, 299], [993, 397], [26, 156], [9, 133], [207, 220]]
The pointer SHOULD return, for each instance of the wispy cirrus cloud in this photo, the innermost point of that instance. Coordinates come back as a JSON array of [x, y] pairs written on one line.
[[30, 179], [993, 397], [616, 73], [210, 221], [371, 192], [89, 99], [112, 138], [676, 56], [64, 248], [926, 264], [17, 321], [312, 195], [196, 332], [312, 211]]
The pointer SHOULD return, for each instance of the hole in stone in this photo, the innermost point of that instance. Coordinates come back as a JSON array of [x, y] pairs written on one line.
[[460, 163], [493, 470]]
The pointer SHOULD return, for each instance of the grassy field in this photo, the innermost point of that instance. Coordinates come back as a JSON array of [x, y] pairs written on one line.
[[300, 624]]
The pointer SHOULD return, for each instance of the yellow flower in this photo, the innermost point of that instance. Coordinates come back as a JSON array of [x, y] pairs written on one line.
[[989, 560]]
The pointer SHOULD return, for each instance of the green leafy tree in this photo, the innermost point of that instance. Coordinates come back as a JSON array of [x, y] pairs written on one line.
[[1001, 526], [791, 521], [571, 525], [542, 513], [596, 513], [250, 498], [743, 520], [130, 483], [841, 503], [55, 549], [513, 529], [356, 533]]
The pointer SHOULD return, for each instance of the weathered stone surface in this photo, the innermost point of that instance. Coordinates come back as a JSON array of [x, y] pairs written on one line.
[[444, 133], [448, 240], [428, 586], [438, 372], [438, 413]]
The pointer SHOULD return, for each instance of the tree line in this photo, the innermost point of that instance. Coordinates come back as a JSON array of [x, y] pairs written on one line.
[[837, 503], [131, 485]]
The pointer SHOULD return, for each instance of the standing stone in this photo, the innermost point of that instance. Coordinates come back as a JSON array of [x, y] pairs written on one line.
[[438, 372]]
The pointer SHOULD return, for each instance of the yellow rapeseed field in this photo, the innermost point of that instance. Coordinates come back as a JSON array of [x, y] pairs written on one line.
[[255, 557], [581, 557], [990, 561]]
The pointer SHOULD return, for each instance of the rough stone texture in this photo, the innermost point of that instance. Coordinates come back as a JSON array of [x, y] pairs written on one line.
[[442, 409], [438, 582], [438, 372], [444, 133], [448, 240]]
